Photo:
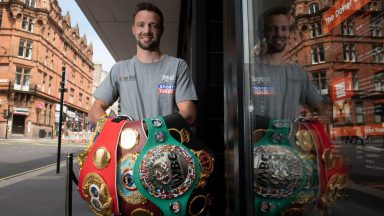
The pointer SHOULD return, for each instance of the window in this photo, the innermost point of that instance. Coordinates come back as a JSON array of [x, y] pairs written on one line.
[[71, 94], [317, 54], [355, 81], [378, 80], [73, 75], [1, 16], [87, 103], [320, 80], [375, 26], [373, 6], [379, 113], [52, 61], [27, 23], [80, 99], [313, 8], [44, 78], [22, 79], [30, 3], [49, 107], [49, 84], [65, 48], [359, 112], [45, 114], [316, 29], [377, 53], [347, 27], [349, 53], [25, 49]]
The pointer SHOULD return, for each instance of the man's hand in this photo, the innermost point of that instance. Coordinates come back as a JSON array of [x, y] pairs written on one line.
[[97, 110]]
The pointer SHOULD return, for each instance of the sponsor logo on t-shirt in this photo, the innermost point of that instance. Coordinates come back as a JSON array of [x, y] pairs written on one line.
[[165, 89], [127, 78], [263, 90], [167, 78], [262, 86]]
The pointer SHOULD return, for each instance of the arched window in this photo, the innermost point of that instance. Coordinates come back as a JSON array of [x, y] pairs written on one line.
[[313, 8]]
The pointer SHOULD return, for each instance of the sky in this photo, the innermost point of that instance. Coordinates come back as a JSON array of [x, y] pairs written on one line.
[[100, 52]]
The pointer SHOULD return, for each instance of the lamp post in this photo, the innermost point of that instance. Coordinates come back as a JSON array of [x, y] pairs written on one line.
[[61, 90]]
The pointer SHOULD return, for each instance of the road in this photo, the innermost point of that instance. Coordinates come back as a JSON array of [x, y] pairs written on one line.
[[23, 155]]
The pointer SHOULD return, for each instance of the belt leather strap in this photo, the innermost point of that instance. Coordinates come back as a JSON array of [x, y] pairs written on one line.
[[101, 164], [280, 175], [165, 172], [131, 200]]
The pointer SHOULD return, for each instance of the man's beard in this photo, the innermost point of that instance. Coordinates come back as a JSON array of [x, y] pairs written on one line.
[[151, 46], [276, 48]]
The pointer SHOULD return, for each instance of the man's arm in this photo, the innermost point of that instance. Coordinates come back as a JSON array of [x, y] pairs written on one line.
[[187, 109], [97, 110]]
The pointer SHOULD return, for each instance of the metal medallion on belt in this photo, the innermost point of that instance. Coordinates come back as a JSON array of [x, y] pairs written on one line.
[[167, 171], [277, 171], [126, 185]]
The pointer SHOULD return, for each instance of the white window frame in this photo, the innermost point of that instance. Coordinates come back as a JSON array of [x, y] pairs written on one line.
[[377, 53], [22, 78], [27, 23], [347, 27], [25, 49], [317, 54], [30, 3], [313, 8], [349, 52], [320, 81], [316, 29], [375, 26]]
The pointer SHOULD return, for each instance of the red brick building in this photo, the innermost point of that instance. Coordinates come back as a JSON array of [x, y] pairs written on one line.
[[36, 41], [346, 61]]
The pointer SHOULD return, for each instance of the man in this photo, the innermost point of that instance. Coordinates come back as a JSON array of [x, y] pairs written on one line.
[[151, 83], [279, 88]]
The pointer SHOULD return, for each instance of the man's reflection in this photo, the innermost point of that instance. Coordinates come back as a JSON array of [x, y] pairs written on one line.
[[279, 87]]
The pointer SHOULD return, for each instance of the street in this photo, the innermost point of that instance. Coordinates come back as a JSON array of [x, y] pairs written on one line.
[[29, 184]]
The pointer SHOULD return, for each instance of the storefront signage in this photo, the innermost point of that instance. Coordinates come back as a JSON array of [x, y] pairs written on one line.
[[20, 111], [341, 87], [340, 11], [360, 131]]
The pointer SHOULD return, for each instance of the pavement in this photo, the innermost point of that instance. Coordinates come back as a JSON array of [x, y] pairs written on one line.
[[40, 191]]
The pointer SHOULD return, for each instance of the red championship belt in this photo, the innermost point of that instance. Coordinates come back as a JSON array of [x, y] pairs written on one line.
[[332, 171], [97, 179], [132, 202]]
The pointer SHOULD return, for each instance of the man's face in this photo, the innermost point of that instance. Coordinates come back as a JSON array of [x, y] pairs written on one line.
[[277, 30], [147, 30]]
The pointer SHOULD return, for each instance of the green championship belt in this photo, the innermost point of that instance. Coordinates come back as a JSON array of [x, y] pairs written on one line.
[[165, 172], [284, 180]]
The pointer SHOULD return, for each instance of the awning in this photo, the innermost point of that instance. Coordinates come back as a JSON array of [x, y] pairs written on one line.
[[40, 105]]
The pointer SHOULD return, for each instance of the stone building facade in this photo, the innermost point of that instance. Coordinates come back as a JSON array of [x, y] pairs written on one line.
[[37, 43]]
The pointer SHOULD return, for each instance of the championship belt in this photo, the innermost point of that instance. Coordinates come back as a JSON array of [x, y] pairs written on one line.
[[285, 179], [311, 136], [97, 179], [166, 172], [131, 142]]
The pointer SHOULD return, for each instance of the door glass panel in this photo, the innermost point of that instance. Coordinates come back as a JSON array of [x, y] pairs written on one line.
[[314, 98]]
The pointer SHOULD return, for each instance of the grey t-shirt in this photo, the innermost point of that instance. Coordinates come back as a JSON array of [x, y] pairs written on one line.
[[278, 90], [147, 89]]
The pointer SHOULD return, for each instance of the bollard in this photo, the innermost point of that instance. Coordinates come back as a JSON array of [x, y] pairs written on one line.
[[68, 188]]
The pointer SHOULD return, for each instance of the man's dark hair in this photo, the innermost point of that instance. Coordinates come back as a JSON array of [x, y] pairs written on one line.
[[263, 19], [148, 6]]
